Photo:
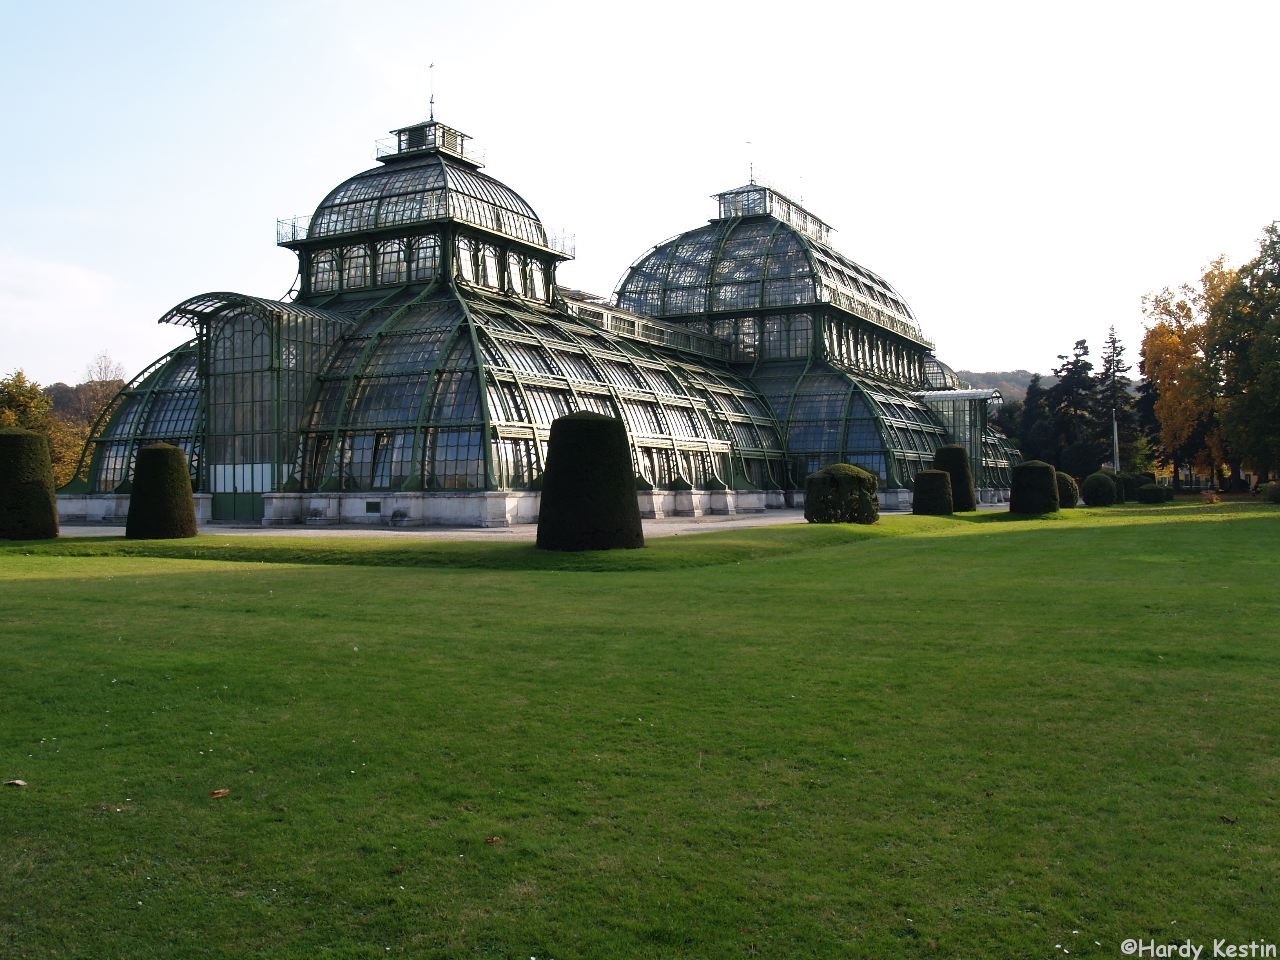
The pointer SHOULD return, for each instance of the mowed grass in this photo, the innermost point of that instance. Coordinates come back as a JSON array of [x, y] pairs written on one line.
[[960, 737]]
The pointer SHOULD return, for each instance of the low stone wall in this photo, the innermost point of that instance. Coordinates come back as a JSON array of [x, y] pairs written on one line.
[[449, 508], [656, 504], [113, 508], [444, 508]]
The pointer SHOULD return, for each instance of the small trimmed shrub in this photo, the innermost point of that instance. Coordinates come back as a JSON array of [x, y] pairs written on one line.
[[1033, 489], [1153, 493], [589, 487], [1068, 491], [841, 493], [1098, 490], [1121, 487], [1128, 484], [1272, 491], [954, 459], [933, 494], [161, 506], [28, 507]]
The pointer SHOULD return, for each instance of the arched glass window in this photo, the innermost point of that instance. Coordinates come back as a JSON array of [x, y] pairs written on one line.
[[466, 258], [490, 275], [515, 275], [324, 271], [355, 268], [392, 267], [424, 258]]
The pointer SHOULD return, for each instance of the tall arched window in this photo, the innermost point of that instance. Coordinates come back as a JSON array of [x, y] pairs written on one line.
[[392, 268], [355, 267], [324, 271], [424, 258]]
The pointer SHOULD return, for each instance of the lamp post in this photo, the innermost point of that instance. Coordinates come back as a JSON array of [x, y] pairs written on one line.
[[1115, 439]]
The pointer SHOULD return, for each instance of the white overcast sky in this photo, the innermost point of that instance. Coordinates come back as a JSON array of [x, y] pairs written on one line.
[[1022, 172]]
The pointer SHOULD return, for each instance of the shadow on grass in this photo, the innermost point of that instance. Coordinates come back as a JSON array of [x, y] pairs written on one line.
[[689, 551]]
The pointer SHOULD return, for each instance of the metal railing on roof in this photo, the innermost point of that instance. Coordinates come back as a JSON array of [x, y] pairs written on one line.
[[295, 229], [647, 330], [876, 315]]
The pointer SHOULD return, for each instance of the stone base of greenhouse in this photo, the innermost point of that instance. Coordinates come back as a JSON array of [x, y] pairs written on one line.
[[465, 508]]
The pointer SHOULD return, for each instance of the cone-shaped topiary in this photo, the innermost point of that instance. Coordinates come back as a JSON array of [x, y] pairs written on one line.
[[589, 487], [1034, 488], [933, 494], [28, 507], [1098, 490], [841, 493], [1068, 491], [161, 506], [954, 459]]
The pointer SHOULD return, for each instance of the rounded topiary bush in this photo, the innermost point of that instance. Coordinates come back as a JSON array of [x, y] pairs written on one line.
[[1068, 491], [161, 506], [1033, 489], [932, 494], [589, 487], [1098, 490], [841, 493], [28, 507], [1153, 493], [1272, 491], [954, 459]]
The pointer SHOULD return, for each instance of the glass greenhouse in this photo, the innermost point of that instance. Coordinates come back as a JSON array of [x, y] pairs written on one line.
[[415, 375]]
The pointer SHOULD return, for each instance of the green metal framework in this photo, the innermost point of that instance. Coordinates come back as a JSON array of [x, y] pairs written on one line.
[[429, 349], [832, 346], [162, 404]]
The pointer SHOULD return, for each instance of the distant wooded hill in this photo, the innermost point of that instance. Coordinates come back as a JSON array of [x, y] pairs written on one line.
[[1012, 384]]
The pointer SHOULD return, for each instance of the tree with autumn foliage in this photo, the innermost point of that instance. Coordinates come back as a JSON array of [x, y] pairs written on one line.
[[23, 404], [1182, 380], [63, 414]]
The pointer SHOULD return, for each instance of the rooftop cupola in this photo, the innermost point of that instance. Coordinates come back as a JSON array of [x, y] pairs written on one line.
[[758, 200], [430, 136]]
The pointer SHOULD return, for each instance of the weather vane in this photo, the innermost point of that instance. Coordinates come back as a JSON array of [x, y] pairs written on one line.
[[431, 77]]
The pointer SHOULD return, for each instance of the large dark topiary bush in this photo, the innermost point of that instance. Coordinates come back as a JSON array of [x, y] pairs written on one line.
[[28, 507], [589, 488], [1098, 490], [954, 459], [1272, 491], [161, 506], [1068, 491], [932, 494], [841, 493], [1034, 488]]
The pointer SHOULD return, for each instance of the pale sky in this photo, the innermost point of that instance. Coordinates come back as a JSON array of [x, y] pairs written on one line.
[[1021, 172]]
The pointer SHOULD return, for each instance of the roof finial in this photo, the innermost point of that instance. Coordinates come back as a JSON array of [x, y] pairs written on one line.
[[751, 167], [431, 74]]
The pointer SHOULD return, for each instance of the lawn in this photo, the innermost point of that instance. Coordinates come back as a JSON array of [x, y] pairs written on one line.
[[953, 737]]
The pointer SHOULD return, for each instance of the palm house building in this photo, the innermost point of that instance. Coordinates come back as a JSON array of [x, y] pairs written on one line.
[[414, 375]]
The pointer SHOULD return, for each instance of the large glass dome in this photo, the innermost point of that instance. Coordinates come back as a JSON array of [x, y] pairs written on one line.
[[421, 185], [763, 252]]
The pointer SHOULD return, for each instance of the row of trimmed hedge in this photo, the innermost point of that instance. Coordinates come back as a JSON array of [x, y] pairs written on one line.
[[161, 506]]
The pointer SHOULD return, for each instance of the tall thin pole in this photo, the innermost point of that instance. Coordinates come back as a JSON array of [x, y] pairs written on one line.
[[1115, 442]]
